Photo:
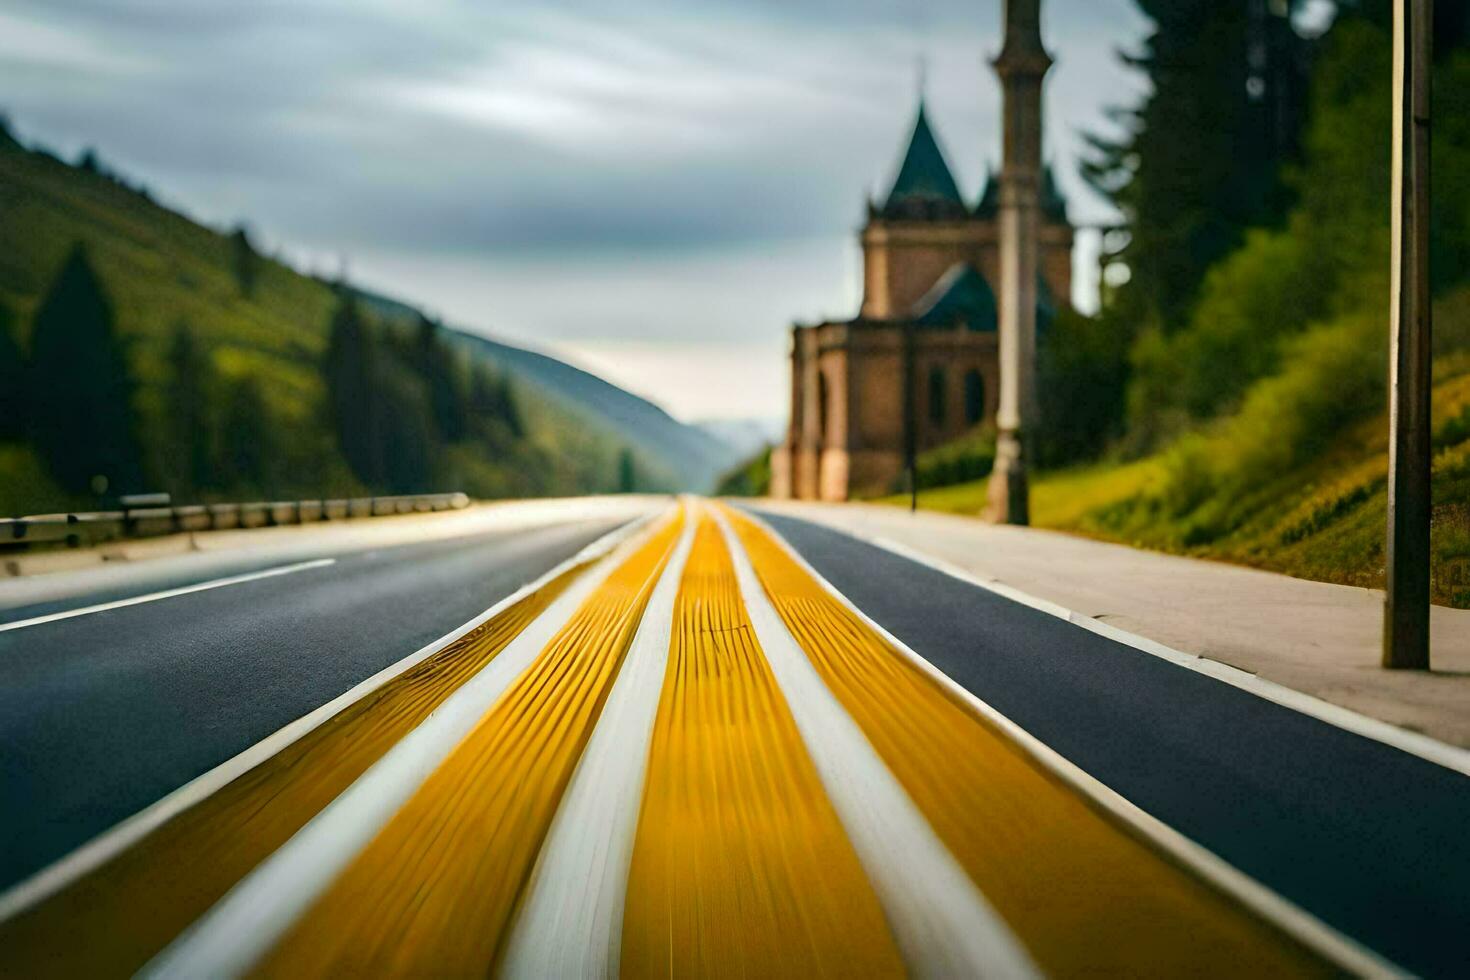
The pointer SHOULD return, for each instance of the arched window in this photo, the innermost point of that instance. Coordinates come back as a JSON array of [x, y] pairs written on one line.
[[974, 397], [937, 398]]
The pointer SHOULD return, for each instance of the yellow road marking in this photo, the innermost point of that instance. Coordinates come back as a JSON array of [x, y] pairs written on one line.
[[740, 867], [114, 919], [1083, 893], [435, 891]]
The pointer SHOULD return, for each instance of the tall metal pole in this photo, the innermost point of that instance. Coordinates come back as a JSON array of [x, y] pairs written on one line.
[[1021, 65], [1406, 604]]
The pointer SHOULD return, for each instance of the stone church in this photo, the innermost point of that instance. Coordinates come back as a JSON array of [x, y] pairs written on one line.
[[929, 314]]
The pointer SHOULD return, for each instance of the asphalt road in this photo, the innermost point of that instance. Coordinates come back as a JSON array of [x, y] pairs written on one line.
[[1368, 838], [102, 714]]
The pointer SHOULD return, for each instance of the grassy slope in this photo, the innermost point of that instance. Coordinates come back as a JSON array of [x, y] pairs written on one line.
[[1323, 520], [161, 268]]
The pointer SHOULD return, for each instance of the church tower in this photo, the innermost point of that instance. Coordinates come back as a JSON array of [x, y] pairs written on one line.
[[921, 360]]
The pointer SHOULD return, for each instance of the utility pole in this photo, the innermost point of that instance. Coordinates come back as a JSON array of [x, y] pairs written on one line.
[[1406, 604], [1021, 65]]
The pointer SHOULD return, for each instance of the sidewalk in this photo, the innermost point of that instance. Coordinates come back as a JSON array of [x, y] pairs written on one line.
[[1320, 639]]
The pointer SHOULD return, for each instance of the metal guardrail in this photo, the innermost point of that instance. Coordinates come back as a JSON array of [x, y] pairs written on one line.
[[78, 530]]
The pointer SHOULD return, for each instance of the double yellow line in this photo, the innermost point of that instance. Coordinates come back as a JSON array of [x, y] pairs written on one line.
[[741, 867]]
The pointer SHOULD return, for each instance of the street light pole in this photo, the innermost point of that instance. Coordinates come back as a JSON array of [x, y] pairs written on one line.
[[1021, 65], [1406, 602]]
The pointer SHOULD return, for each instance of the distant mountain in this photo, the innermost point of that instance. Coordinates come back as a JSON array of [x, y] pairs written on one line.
[[745, 437], [695, 455]]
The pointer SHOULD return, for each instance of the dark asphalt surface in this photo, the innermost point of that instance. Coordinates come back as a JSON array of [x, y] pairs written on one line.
[[103, 714], [1371, 840]]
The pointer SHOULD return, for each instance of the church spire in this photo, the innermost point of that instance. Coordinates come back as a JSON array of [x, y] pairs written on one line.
[[925, 186]]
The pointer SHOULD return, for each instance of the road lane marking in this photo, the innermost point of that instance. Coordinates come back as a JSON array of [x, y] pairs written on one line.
[[1417, 744], [240, 811], [943, 925], [218, 583], [741, 867], [423, 858], [1080, 886], [571, 922]]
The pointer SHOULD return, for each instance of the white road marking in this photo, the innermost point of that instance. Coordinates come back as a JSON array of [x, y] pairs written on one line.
[[218, 583], [571, 924], [1427, 748], [244, 924], [1357, 959], [943, 925], [110, 843]]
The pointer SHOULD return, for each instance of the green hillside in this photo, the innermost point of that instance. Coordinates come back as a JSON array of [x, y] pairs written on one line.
[[260, 321], [1320, 518]]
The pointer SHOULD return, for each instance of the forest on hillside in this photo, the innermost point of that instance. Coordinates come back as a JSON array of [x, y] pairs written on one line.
[[1229, 398], [142, 352]]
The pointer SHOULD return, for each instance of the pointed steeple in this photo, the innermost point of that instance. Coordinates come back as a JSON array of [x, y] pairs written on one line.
[[925, 186]]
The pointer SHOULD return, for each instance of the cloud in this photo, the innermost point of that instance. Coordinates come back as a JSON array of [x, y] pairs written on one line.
[[549, 137]]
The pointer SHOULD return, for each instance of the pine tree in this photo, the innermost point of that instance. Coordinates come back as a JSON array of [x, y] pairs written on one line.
[[1202, 157], [82, 419], [442, 375], [350, 368], [406, 427], [12, 381], [627, 471], [244, 260], [191, 424], [247, 440], [511, 408], [492, 400]]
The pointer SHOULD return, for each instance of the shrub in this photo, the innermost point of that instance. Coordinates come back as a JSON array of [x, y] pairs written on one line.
[[965, 459], [1334, 375]]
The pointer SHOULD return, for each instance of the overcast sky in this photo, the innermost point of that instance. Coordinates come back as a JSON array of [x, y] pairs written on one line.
[[652, 189]]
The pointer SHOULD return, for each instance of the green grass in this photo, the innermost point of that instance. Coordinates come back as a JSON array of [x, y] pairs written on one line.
[[1058, 499]]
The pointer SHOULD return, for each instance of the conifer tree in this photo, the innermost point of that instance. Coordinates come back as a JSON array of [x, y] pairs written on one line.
[[191, 424], [512, 407], [406, 426], [12, 381], [244, 260], [81, 390], [1201, 157], [627, 471], [247, 440], [350, 367], [492, 400], [444, 378]]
